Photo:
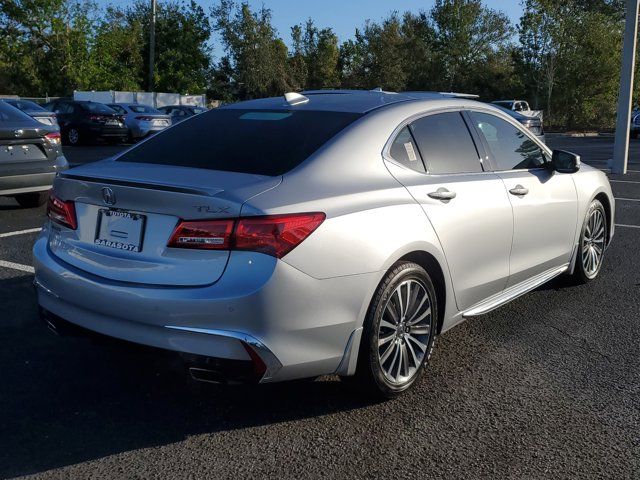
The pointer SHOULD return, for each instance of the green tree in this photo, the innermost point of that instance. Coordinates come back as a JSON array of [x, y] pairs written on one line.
[[182, 54], [315, 56], [45, 45], [258, 56]]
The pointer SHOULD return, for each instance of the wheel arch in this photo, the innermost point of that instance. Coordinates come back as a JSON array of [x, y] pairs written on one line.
[[435, 271], [608, 211]]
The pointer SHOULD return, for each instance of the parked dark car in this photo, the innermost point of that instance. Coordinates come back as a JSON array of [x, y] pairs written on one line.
[[30, 157], [82, 121], [534, 124], [34, 110], [181, 112]]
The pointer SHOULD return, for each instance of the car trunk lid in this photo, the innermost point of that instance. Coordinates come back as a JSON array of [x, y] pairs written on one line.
[[139, 206]]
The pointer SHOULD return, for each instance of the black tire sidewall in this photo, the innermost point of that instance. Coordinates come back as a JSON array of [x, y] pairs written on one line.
[[369, 368], [31, 200]]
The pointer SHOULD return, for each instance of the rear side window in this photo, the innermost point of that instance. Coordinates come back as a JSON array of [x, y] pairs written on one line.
[[404, 151], [143, 109], [510, 147], [262, 142], [446, 144], [94, 107]]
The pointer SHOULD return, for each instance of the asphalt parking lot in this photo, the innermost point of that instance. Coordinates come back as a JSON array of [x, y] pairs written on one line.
[[546, 387]]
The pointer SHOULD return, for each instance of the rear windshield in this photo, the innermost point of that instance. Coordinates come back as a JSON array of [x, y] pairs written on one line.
[[25, 105], [143, 109], [94, 107], [10, 116], [262, 142]]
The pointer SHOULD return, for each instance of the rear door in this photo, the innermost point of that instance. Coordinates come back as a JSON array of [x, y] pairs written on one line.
[[544, 201], [467, 206]]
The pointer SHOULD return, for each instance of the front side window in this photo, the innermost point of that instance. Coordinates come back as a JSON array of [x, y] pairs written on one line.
[[119, 109], [446, 144], [404, 151], [511, 148]]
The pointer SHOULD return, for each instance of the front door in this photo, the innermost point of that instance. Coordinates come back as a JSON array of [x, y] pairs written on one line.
[[544, 201]]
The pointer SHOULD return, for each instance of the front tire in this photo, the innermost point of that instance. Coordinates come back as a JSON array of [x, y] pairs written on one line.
[[398, 333], [593, 241]]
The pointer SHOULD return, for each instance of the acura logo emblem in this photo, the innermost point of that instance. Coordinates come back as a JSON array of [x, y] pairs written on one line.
[[108, 197]]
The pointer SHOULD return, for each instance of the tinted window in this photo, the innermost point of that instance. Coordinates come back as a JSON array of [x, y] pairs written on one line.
[[94, 107], [404, 151], [118, 109], [143, 109], [63, 108], [25, 105], [263, 142], [13, 116], [510, 147], [197, 110], [446, 144]]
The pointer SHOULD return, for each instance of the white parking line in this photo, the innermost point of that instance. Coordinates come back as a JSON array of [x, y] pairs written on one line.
[[627, 226], [628, 199], [624, 181], [17, 266], [20, 232]]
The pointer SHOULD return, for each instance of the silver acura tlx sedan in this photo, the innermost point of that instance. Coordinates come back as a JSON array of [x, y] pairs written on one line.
[[329, 232]]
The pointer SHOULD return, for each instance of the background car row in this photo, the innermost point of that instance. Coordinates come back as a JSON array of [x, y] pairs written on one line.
[[87, 121]]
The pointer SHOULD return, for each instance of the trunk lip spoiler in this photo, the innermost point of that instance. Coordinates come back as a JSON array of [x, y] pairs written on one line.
[[135, 184]]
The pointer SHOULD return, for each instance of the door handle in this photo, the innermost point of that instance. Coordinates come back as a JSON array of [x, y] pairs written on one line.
[[519, 191], [442, 194]]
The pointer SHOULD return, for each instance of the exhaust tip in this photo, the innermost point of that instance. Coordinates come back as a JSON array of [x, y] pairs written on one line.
[[208, 376]]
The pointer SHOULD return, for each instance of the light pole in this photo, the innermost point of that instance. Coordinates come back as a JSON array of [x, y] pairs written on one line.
[[625, 98], [152, 42]]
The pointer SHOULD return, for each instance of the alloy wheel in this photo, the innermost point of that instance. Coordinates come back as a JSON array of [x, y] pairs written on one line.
[[74, 136], [404, 331], [593, 243]]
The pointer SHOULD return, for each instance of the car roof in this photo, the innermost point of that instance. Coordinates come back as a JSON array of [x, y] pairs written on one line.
[[351, 101]]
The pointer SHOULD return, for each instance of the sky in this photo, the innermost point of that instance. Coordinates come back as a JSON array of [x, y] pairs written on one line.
[[343, 16]]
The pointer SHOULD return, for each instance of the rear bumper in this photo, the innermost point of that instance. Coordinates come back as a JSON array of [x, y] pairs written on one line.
[[299, 326], [143, 130], [107, 132], [36, 180]]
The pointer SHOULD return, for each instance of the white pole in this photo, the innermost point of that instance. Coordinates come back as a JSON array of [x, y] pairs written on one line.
[[625, 98]]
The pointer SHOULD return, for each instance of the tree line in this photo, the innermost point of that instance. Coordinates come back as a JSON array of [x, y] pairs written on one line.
[[563, 57]]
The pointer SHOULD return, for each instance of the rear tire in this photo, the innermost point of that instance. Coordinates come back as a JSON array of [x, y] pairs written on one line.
[[73, 137], [399, 332], [32, 200], [591, 248]]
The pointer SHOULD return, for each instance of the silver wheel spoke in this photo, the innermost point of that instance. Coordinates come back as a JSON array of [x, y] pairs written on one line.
[[392, 312], [405, 360], [387, 352], [385, 340], [385, 324], [421, 317], [416, 362], [420, 345], [399, 297]]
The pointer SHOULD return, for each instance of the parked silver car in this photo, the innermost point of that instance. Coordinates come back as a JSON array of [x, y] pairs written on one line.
[[330, 232], [141, 120]]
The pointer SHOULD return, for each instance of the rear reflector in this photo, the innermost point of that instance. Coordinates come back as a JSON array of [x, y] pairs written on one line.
[[61, 212], [207, 235], [274, 235]]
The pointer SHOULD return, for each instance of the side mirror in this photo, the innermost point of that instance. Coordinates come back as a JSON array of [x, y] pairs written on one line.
[[565, 162]]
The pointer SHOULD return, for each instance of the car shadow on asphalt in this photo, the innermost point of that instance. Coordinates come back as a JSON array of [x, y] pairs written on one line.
[[68, 400]]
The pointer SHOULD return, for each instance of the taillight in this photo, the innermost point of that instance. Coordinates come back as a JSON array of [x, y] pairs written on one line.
[[61, 212], [96, 118], [274, 235], [208, 235], [53, 138]]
